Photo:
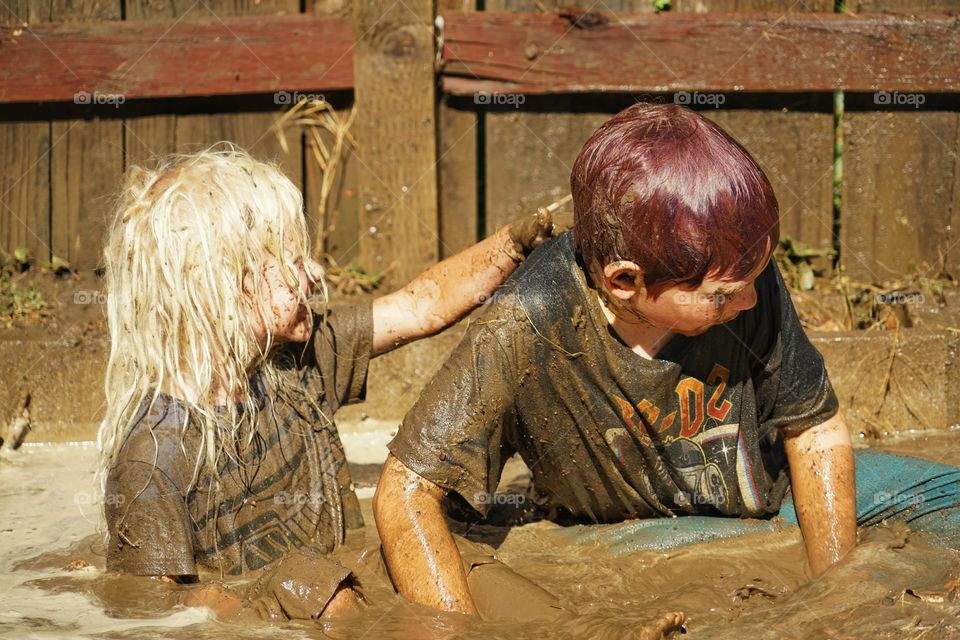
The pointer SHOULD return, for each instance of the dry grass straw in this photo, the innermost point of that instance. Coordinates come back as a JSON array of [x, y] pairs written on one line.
[[315, 117]]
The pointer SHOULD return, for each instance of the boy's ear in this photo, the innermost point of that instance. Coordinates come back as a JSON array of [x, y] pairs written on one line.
[[623, 279]]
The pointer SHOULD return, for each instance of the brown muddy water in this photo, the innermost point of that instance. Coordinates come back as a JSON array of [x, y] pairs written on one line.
[[894, 585]]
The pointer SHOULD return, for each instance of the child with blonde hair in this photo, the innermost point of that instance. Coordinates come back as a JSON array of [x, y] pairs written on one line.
[[223, 380]]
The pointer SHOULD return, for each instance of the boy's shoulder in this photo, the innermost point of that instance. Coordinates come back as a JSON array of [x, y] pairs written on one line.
[[547, 284]]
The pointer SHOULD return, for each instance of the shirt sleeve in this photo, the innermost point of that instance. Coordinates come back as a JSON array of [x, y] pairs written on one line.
[[149, 526], [793, 389], [342, 344], [455, 434]]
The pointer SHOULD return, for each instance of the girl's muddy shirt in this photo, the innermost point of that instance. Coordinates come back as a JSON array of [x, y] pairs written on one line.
[[289, 488], [608, 434]]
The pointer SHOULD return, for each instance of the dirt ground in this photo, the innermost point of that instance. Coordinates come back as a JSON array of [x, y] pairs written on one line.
[[41, 303], [62, 302]]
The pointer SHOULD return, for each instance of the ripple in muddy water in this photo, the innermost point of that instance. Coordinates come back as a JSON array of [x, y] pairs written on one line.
[[894, 585]]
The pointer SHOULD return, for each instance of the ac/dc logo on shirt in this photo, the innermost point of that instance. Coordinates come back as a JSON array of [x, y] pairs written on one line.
[[694, 440], [693, 407]]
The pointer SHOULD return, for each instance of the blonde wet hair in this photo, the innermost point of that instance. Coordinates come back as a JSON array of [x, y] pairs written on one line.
[[184, 253]]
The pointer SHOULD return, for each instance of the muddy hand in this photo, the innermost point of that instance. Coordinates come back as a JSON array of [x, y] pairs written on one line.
[[528, 232], [663, 626]]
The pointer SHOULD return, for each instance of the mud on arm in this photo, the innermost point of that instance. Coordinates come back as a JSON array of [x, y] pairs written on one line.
[[445, 292], [420, 551], [824, 492]]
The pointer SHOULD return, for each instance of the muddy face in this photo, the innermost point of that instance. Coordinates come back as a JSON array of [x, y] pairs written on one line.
[[685, 310], [281, 312]]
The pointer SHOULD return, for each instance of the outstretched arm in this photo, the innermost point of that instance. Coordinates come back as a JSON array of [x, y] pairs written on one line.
[[822, 478], [445, 292], [423, 558]]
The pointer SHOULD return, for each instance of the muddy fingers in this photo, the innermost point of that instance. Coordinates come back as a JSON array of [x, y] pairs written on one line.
[[528, 232], [663, 626]]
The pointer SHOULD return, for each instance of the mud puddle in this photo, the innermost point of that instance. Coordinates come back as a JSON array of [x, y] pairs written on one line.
[[895, 585], [936, 446]]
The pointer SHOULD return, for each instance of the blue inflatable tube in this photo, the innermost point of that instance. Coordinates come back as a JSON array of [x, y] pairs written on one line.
[[892, 488]]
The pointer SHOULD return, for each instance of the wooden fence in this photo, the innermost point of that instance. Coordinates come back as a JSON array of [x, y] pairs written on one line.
[[469, 119]]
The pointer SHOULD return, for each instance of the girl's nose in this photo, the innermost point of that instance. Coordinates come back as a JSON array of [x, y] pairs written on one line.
[[306, 284]]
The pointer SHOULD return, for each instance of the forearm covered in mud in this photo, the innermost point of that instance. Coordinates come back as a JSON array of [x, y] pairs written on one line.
[[444, 293], [824, 491], [420, 551], [447, 291]]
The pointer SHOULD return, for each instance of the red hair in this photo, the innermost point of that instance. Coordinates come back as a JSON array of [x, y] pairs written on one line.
[[667, 189]]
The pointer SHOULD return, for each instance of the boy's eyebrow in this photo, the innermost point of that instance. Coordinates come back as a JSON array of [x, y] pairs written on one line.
[[723, 290]]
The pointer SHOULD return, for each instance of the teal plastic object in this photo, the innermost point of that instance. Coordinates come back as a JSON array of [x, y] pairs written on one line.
[[892, 488]]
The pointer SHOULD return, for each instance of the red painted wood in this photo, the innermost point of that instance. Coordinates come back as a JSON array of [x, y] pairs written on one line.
[[531, 53], [103, 60], [536, 53]]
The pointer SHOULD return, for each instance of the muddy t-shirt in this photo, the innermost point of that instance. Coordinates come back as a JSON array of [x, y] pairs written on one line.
[[607, 433], [283, 482]]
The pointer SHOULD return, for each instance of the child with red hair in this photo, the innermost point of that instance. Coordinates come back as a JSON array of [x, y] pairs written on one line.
[[648, 365]]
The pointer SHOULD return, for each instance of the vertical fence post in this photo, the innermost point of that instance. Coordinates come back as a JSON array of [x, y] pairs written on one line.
[[396, 161], [394, 89]]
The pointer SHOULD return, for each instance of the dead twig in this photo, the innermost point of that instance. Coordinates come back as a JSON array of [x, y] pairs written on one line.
[[315, 118]]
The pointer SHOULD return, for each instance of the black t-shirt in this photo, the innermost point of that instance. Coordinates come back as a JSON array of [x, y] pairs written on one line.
[[284, 486], [607, 433]]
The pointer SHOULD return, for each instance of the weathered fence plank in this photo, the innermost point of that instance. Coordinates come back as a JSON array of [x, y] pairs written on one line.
[[25, 162], [237, 55], [900, 206], [568, 52], [396, 131], [86, 162], [901, 186], [793, 143], [458, 133], [24, 188], [457, 178], [340, 222], [531, 146]]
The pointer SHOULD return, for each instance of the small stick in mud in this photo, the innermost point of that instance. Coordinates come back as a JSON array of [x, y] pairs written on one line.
[[20, 424]]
